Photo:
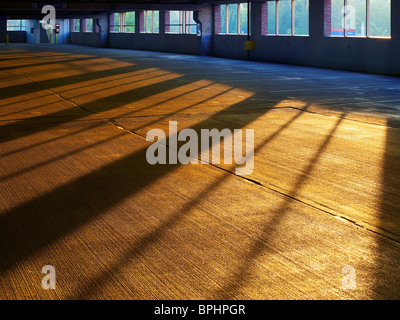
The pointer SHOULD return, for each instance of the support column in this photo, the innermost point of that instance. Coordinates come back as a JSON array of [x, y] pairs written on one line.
[[317, 25], [395, 21], [204, 20], [161, 22], [3, 30]]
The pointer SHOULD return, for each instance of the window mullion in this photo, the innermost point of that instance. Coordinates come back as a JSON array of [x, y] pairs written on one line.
[[152, 22], [292, 20], [367, 33], [238, 18], [345, 19], [226, 19], [277, 17]]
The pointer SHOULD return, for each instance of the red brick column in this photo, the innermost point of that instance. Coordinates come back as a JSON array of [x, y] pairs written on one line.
[[264, 18], [217, 19], [141, 21], [167, 21], [112, 28], [327, 18]]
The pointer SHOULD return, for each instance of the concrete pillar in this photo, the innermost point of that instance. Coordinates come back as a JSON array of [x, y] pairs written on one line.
[[161, 24], [316, 19], [3, 30], [204, 20], [103, 27], [258, 22], [395, 20]]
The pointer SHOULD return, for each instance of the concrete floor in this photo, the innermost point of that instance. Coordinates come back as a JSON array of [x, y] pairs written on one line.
[[77, 191]]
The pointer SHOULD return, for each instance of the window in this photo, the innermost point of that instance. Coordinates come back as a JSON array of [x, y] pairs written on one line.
[[115, 24], [301, 17], [357, 18], [122, 22], [150, 20], [285, 17], [16, 25], [232, 18], [87, 25], [379, 18], [76, 25], [180, 22]]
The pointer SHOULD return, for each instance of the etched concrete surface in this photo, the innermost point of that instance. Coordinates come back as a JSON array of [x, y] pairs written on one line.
[[78, 193]]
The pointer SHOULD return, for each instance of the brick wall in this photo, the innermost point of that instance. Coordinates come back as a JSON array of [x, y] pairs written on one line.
[[217, 19], [141, 21], [167, 21], [327, 18], [264, 18]]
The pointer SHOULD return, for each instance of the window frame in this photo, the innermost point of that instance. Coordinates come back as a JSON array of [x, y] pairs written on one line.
[[20, 27], [144, 16], [85, 25], [238, 33], [76, 27], [367, 24], [185, 17], [292, 21], [122, 25]]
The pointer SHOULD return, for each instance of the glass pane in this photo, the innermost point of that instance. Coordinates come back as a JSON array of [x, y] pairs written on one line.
[[243, 18], [130, 18], [174, 29], [15, 25], [223, 18], [174, 17], [337, 18], [285, 17], [191, 20], [301, 17], [156, 22], [271, 17], [233, 18], [356, 17], [149, 21], [379, 18]]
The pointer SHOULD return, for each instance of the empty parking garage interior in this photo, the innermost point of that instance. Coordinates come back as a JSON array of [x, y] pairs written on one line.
[[200, 150]]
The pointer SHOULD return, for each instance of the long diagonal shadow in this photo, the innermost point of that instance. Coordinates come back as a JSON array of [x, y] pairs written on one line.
[[102, 104], [152, 237], [42, 64], [39, 222], [260, 246], [76, 151], [388, 251], [26, 88]]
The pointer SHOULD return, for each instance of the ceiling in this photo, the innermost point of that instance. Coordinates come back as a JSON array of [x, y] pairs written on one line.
[[32, 9]]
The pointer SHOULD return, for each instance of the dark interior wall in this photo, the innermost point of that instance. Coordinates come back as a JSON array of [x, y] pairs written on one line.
[[86, 38], [355, 54], [179, 43]]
